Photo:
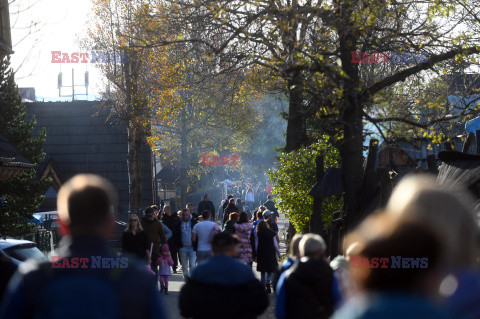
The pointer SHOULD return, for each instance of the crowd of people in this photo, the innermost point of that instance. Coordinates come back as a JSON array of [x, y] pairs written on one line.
[[252, 194], [416, 258], [187, 236]]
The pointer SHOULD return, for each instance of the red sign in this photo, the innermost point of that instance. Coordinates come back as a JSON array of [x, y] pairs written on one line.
[[211, 159]]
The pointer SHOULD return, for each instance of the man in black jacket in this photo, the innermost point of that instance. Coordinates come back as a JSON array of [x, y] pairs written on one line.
[[223, 278], [225, 203], [308, 283], [270, 204], [207, 204], [172, 221]]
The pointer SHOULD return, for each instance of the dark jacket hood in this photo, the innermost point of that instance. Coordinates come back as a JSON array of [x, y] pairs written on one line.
[[311, 269]]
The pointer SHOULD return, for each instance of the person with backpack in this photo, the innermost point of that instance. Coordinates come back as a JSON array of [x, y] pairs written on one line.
[[87, 279]]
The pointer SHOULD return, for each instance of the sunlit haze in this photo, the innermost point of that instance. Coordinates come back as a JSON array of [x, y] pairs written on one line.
[[60, 24]]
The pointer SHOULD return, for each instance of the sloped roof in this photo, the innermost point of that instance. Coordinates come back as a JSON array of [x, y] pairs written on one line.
[[168, 173], [331, 184], [417, 150], [459, 169], [10, 156], [80, 139]]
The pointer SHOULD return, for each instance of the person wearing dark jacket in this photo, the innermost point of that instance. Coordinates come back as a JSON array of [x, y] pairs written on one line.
[[270, 205], [231, 208], [7, 269], [267, 253], [225, 203], [135, 241], [172, 221], [232, 284], [207, 204], [153, 227], [230, 224], [76, 284], [308, 283]]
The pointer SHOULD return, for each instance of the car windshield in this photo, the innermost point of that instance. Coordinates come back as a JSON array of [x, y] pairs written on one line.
[[24, 252]]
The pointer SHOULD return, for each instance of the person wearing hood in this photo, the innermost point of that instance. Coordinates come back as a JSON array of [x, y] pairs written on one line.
[[308, 282], [223, 278]]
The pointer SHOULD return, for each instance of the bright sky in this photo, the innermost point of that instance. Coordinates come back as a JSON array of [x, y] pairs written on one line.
[[60, 23]]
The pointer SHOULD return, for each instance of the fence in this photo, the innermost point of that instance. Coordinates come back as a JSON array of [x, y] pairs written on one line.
[[46, 240]]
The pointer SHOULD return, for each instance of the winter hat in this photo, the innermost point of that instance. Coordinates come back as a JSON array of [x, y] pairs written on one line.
[[165, 248], [267, 213]]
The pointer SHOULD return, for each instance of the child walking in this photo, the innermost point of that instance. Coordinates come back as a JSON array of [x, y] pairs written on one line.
[[165, 263]]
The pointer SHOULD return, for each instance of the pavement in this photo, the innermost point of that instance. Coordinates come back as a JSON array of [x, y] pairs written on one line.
[[176, 282]]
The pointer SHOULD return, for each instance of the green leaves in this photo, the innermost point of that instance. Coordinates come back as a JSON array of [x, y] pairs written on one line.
[[294, 178]]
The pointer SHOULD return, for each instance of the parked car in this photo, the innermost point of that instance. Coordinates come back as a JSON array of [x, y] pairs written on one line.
[[19, 250]]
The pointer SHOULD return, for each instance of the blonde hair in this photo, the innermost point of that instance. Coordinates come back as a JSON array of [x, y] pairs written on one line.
[[139, 226], [444, 211], [294, 246]]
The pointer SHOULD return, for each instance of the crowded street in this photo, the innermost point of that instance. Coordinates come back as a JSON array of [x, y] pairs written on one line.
[[239, 159]]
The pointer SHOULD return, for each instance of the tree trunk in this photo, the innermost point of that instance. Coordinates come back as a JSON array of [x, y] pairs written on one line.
[[316, 221], [296, 131], [352, 160], [135, 169], [184, 161], [296, 121], [351, 106]]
